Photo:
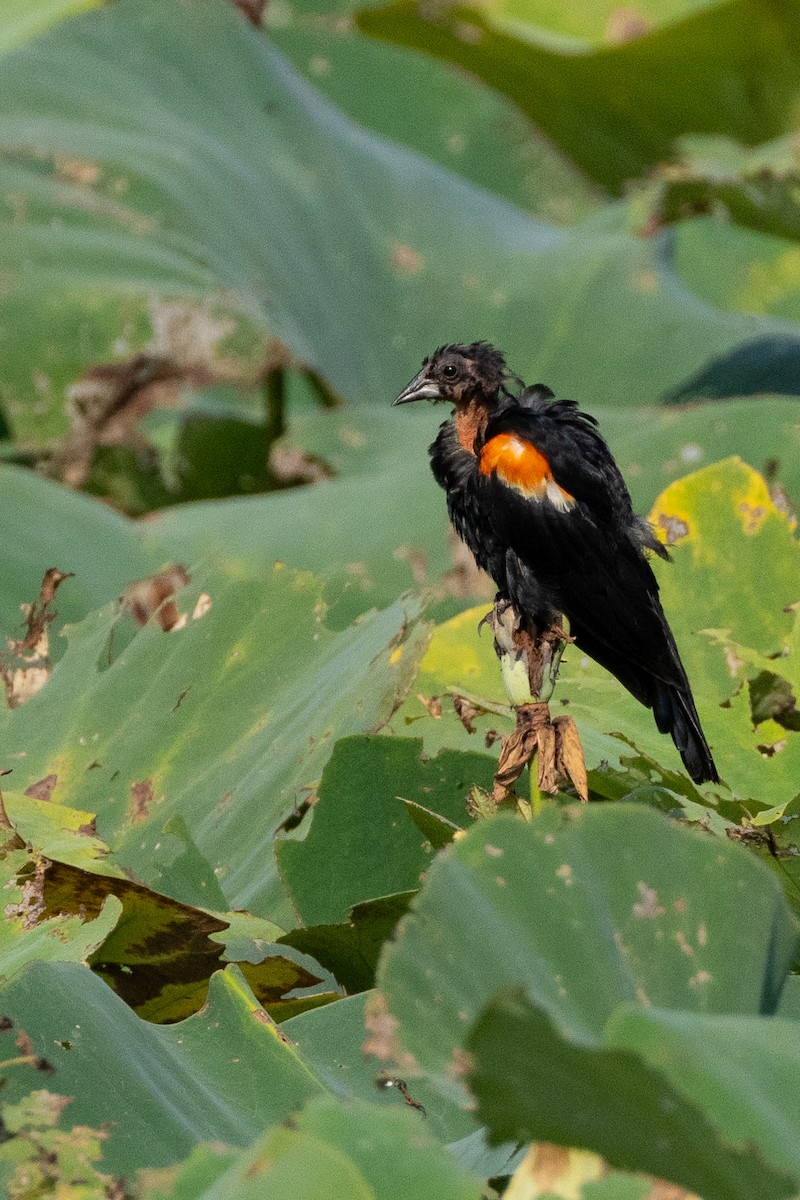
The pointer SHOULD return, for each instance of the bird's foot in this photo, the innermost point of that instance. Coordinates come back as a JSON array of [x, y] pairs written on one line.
[[500, 607]]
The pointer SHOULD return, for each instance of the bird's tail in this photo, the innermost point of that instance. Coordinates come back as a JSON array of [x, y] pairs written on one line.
[[672, 703], [675, 714]]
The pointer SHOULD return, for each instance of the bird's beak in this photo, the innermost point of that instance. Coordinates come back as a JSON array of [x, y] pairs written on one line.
[[420, 388]]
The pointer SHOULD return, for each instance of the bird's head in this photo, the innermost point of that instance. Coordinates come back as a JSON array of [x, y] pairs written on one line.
[[459, 375]]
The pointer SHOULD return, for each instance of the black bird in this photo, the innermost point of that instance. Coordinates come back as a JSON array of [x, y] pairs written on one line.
[[534, 491]]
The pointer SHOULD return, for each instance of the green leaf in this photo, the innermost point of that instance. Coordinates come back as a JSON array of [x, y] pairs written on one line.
[[703, 74], [741, 270], [47, 1158], [446, 116], [772, 698], [246, 937], [330, 1040], [725, 527], [736, 568], [768, 364], [333, 1151], [21, 20], [362, 844], [44, 525], [383, 461], [30, 933], [653, 448], [440, 257], [755, 188], [222, 1075], [59, 832], [399, 1159], [790, 998], [588, 909], [744, 1089], [622, 1098], [287, 982], [594, 20], [435, 829], [218, 456], [159, 957], [192, 746], [382, 458], [350, 950], [157, 954]]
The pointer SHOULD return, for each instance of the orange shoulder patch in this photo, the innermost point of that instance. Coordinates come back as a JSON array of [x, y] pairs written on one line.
[[519, 464], [515, 460]]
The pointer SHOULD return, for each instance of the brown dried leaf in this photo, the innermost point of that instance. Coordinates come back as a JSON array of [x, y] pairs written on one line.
[[546, 758], [569, 755], [780, 498], [518, 748], [432, 703], [392, 1081], [23, 682], [38, 616], [515, 754], [466, 712], [673, 528], [43, 788], [556, 1171], [24, 679], [149, 597], [191, 335]]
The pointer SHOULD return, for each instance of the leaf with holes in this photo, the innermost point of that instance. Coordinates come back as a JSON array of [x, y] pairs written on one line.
[[192, 746]]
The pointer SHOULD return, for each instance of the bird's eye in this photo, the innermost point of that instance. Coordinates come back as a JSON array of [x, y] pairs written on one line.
[[450, 371]]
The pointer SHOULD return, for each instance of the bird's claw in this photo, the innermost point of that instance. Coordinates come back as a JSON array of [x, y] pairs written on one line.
[[501, 605]]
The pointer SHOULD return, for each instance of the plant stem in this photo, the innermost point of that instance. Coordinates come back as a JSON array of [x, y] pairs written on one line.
[[536, 795]]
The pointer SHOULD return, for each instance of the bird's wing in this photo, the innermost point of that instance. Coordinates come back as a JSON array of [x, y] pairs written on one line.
[[578, 457], [560, 509], [576, 452]]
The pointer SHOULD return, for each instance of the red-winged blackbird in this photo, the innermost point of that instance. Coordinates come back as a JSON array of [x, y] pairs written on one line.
[[534, 491]]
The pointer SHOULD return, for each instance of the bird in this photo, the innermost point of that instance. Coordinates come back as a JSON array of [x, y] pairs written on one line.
[[534, 491]]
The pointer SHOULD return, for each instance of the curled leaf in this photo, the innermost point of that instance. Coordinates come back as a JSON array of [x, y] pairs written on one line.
[[569, 755]]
